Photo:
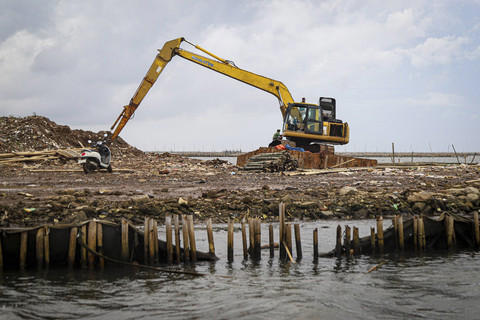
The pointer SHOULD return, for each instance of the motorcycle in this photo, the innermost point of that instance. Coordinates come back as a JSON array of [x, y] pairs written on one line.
[[96, 158]]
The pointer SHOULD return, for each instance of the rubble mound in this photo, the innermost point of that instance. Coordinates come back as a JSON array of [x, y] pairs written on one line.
[[37, 133]]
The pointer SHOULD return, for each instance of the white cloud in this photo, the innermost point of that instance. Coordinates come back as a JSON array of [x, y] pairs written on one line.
[[438, 51]]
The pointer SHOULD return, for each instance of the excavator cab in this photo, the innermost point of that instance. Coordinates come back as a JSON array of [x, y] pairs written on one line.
[[310, 123]]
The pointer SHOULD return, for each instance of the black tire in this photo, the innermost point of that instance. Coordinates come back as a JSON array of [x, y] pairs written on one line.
[[109, 168], [89, 167]]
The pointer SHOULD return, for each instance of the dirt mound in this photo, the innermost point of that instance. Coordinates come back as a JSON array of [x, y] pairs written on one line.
[[36, 133]]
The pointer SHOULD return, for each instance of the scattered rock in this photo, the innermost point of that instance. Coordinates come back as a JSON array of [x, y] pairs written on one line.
[[347, 190]]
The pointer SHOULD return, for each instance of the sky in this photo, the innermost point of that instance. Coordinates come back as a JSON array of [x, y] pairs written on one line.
[[405, 72]]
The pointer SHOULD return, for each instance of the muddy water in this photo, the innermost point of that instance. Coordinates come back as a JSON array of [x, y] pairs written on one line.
[[443, 286]]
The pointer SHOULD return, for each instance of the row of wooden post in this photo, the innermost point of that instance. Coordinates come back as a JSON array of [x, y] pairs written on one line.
[[93, 239]]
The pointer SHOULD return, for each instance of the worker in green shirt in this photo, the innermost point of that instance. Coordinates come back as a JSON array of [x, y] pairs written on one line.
[[277, 139]]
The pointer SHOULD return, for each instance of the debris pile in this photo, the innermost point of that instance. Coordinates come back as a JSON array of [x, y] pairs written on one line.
[[62, 154], [272, 162], [38, 133]]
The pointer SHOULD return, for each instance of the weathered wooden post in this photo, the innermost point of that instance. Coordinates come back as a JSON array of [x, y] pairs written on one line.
[[146, 240], [281, 234], [421, 231], [83, 249], [271, 241], [258, 240], [125, 249], [101, 260], [244, 241], [168, 231], [356, 241], [395, 228], [177, 238], [372, 240], [191, 237], [315, 244], [298, 241], [46, 245], [450, 229], [338, 245], [401, 239], [415, 233], [476, 228], [211, 244], [347, 240], [23, 249], [151, 241], [251, 236], [155, 241], [380, 234], [92, 243], [288, 236], [186, 246], [72, 246], [39, 250], [230, 241]]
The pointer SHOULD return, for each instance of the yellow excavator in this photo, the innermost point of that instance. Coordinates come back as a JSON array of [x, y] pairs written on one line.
[[305, 125]]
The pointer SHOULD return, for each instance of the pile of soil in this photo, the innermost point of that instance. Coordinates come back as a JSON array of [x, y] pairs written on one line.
[[37, 133]]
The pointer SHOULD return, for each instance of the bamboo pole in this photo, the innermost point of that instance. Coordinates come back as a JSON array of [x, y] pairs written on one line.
[[46, 246], [125, 248], [230, 241], [92, 243], [168, 231], [23, 249], [244, 241], [211, 243], [177, 238], [83, 250], [380, 234], [101, 260], [347, 241], [186, 246], [146, 240], [191, 237], [72, 246], [372, 240], [315, 244], [39, 249], [338, 245], [356, 241], [476, 228], [401, 239], [415, 233], [298, 241], [271, 241]]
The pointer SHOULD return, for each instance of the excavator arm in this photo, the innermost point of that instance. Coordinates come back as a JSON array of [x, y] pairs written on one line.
[[228, 68]]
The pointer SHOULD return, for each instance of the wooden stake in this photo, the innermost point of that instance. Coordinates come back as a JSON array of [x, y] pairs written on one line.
[[92, 243], [288, 236], [251, 236], [72, 246], [125, 249], [356, 241], [83, 250], [244, 241], [415, 233], [271, 241], [401, 239], [168, 231], [395, 227], [230, 241], [476, 228], [39, 249], [315, 244], [177, 238], [347, 240], [450, 227], [281, 234], [372, 240], [186, 246], [421, 230], [156, 256], [46, 246], [380, 234], [146, 240], [211, 243], [23, 249], [338, 245], [191, 237], [151, 241], [298, 241], [101, 261]]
